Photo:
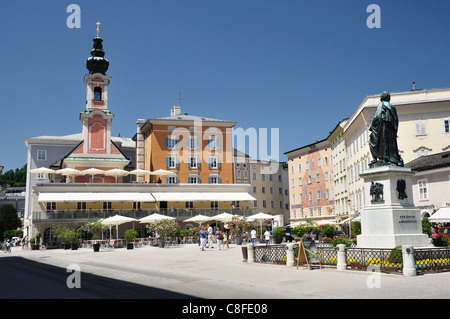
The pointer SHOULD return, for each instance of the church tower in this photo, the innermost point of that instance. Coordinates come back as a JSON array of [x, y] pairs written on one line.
[[96, 150]]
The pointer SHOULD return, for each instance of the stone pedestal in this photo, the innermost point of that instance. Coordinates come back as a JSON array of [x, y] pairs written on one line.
[[389, 221]]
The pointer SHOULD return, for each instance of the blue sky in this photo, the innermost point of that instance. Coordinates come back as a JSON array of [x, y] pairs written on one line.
[[300, 66]]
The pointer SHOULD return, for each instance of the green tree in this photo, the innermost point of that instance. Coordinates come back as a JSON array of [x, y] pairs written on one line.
[[356, 228], [8, 219], [14, 178], [426, 226]]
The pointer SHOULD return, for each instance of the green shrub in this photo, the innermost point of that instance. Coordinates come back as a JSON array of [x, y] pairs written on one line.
[[328, 231], [130, 235], [440, 241], [299, 231], [278, 232], [426, 226], [395, 255], [339, 240]]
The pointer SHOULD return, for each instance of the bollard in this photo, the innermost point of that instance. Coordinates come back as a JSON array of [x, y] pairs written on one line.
[[251, 254], [290, 254], [341, 257], [409, 266]]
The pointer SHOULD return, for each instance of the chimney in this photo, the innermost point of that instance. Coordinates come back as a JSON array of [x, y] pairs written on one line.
[[176, 110]]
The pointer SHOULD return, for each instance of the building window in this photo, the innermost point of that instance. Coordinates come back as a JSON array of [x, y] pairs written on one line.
[[51, 205], [81, 205], [213, 143], [193, 180], [192, 142], [214, 180], [98, 94], [311, 212], [264, 203], [194, 161], [213, 162], [171, 180], [255, 203], [272, 204], [41, 155], [421, 127], [137, 205], [214, 205], [446, 126], [171, 161], [171, 142], [423, 189], [254, 189], [263, 189]]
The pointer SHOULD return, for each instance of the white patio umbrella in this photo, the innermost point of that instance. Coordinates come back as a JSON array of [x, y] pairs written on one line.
[[116, 220], [260, 217], [116, 172], [140, 172], [68, 172], [42, 170], [154, 218], [198, 219], [92, 172], [224, 217], [162, 172]]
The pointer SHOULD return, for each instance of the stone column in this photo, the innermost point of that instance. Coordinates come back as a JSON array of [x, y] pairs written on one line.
[[140, 149], [341, 257], [251, 254], [409, 266], [290, 258]]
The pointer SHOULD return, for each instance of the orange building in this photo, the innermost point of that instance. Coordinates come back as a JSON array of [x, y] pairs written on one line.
[[197, 149]]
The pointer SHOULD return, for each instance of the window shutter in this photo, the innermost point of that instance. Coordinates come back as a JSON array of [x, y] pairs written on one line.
[[198, 180], [209, 180], [167, 162], [218, 180], [167, 142], [218, 162]]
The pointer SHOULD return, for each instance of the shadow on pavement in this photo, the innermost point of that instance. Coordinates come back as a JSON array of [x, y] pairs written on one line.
[[26, 279]]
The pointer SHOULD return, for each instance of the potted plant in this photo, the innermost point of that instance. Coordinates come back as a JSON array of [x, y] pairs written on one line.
[[278, 233], [38, 241], [238, 225], [95, 226], [32, 241], [73, 235], [61, 232], [130, 235], [165, 228], [327, 233]]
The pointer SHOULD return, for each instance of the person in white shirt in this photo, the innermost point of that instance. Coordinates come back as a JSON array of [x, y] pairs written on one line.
[[267, 237], [253, 236]]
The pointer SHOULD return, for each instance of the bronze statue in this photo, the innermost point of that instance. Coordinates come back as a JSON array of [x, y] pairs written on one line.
[[376, 191], [383, 136]]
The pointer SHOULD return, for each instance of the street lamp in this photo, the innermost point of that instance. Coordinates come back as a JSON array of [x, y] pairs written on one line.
[[1, 168]]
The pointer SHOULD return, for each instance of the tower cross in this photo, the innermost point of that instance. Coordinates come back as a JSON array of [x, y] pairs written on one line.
[[98, 29]]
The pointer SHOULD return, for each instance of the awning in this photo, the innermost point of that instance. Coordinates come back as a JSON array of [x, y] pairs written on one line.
[[93, 197], [198, 196], [441, 216]]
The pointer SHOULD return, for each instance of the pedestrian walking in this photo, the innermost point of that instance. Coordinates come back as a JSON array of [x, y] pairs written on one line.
[[225, 239], [219, 238], [210, 235], [267, 237], [25, 243], [202, 238], [253, 236]]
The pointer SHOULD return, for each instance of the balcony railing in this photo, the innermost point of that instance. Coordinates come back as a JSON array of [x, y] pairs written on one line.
[[180, 214]]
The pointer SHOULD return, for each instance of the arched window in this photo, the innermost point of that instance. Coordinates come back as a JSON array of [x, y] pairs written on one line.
[[98, 94]]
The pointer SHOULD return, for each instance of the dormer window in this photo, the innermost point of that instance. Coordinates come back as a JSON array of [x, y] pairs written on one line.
[[98, 94]]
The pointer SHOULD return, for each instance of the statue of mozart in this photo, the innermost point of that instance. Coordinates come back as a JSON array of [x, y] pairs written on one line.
[[383, 136]]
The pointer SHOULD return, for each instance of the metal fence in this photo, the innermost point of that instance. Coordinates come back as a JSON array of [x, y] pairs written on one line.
[[386, 260], [432, 259], [275, 254]]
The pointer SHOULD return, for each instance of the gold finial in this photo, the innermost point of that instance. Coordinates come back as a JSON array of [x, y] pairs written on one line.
[[98, 29]]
